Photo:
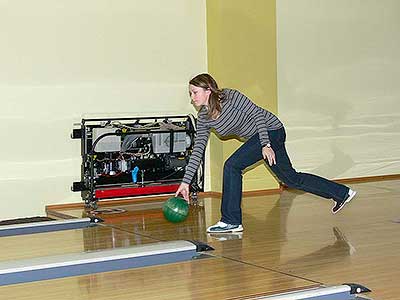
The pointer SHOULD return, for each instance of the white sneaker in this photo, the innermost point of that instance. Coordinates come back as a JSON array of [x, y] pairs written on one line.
[[222, 227], [340, 204]]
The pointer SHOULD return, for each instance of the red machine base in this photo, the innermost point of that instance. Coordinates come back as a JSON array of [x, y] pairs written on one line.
[[136, 191]]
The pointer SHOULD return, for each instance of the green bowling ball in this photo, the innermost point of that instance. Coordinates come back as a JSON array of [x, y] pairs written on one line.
[[175, 209]]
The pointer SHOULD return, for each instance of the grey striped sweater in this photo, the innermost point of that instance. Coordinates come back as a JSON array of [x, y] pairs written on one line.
[[239, 117]]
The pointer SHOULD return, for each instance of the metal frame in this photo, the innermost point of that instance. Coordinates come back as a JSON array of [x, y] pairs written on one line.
[[50, 267], [46, 226]]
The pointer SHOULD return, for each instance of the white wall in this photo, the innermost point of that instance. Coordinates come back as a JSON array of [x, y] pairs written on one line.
[[339, 85], [61, 60]]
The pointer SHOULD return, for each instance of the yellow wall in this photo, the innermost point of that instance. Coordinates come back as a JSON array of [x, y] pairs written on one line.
[[61, 60], [241, 45], [339, 91]]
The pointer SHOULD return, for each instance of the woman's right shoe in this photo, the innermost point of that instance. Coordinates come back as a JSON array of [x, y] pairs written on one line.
[[222, 227]]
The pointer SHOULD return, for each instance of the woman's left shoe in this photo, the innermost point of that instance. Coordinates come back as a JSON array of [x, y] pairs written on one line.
[[341, 203], [222, 227]]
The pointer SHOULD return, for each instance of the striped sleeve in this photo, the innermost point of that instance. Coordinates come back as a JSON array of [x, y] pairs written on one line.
[[200, 143], [254, 112]]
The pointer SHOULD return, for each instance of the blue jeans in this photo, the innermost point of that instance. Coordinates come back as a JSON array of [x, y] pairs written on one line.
[[251, 152]]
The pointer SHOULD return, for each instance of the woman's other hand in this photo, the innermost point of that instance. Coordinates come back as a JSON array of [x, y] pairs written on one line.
[[269, 154]]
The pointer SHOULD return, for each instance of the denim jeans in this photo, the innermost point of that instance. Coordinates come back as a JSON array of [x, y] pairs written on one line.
[[251, 152]]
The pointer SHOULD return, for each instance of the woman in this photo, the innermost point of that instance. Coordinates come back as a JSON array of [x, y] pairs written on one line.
[[229, 112]]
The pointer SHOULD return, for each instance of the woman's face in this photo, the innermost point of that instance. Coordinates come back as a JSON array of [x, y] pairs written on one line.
[[199, 95]]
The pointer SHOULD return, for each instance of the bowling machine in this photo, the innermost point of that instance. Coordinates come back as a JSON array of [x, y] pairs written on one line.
[[138, 156]]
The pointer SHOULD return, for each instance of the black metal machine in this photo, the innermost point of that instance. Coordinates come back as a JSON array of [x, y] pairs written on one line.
[[126, 157]]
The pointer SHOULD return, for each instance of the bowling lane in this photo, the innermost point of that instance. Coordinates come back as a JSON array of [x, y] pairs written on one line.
[[281, 234], [213, 278], [67, 241]]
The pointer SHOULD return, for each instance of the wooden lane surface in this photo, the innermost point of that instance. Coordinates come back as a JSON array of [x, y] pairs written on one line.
[[296, 233], [66, 241], [213, 278]]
